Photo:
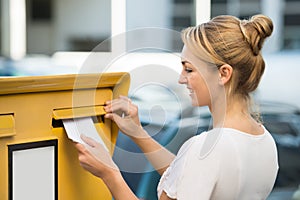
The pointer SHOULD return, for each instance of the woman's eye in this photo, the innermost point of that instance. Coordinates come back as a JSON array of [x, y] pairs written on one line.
[[188, 70]]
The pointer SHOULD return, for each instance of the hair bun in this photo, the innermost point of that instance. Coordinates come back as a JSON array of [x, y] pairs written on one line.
[[256, 30]]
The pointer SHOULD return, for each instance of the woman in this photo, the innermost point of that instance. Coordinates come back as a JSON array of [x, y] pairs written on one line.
[[237, 159]]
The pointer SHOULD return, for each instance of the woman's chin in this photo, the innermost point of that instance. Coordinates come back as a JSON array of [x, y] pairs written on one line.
[[195, 103]]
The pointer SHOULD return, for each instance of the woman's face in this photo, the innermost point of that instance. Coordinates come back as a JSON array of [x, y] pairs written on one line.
[[198, 78]]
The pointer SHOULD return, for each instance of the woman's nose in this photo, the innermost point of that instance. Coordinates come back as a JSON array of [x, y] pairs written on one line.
[[182, 79]]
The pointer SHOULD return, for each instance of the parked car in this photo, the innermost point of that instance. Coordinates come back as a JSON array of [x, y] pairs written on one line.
[[283, 122]]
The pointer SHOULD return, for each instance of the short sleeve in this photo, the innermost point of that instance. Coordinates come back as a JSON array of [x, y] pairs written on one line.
[[190, 176], [171, 177]]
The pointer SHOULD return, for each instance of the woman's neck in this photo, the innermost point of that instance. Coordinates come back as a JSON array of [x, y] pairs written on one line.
[[235, 114]]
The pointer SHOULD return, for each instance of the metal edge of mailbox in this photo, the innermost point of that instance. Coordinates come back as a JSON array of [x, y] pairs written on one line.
[[78, 112], [16, 85]]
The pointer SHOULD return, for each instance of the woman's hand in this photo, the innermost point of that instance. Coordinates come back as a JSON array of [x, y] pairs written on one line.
[[95, 159], [125, 115]]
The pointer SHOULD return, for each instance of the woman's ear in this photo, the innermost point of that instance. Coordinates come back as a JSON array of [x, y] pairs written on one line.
[[225, 73]]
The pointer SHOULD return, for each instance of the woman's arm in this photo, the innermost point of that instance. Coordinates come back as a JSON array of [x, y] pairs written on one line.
[[95, 159], [159, 156], [119, 188], [165, 197], [125, 115]]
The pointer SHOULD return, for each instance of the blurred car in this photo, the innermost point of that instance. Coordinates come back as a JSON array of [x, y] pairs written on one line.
[[283, 122], [35, 65]]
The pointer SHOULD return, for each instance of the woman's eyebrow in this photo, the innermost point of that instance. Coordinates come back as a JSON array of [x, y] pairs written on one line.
[[184, 62]]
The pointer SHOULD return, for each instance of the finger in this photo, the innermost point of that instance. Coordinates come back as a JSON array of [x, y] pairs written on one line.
[[125, 98], [80, 147], [120, 98], [114, 100], [110, 101], [118, 107], [116, 118], [89, 141]]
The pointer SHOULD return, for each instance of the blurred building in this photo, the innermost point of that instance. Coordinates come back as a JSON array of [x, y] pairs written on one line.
[[285, 14], [48, 26]]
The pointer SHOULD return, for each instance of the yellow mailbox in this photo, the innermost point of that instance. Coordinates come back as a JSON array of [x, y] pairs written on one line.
[[38, 161]]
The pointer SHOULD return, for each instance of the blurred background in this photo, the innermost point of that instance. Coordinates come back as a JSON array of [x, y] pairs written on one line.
[[142, 37]]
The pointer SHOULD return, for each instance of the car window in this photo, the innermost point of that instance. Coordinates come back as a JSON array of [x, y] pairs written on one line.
[[280, 128]]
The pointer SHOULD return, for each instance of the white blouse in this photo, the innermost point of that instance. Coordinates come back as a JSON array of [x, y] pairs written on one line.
[[224, 164]]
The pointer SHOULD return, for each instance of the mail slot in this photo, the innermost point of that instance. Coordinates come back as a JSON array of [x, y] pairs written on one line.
[[31, 129], [97, 112]]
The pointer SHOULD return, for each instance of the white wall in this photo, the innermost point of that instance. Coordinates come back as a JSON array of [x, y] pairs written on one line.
[[40, 38], [92, 19], [146, 14], [71, 18], [76, 18], [280, 81]]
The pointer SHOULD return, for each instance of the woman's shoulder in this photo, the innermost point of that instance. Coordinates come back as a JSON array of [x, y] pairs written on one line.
[[196, 140], [190, 142], [200, 144], [218, 140]]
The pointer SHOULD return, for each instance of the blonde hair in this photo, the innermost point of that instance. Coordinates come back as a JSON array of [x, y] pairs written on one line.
[[228, 40]]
